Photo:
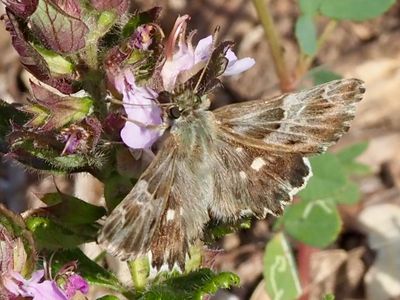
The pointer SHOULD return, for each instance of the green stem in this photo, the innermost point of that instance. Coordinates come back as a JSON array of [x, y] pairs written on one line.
[[140, 271], [275, 44]]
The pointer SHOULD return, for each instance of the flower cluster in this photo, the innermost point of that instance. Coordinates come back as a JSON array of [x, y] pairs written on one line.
[[180, 56], [17, 261], [84, 76], [98, 77]]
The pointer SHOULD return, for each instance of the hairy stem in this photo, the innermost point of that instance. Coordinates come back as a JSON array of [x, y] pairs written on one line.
[[275, 44], [140, 271]]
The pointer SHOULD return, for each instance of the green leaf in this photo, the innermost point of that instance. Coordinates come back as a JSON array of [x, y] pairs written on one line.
[[328, 177], [355, 10], [349, 154], [192, 286], [347, 159], [108, 297], [280, 274], [329, 297], [50, 235], [309, 7], [316, 223], [321, 76], [9, 114], [92, 272], [349, 194], [57, 64], [306, 34], [71, 210]]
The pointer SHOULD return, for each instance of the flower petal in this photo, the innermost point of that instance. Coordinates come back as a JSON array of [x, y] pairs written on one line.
[[47, 290], [37, 276], [76, 283], [237, 66], [203, 49], [172, 68], [142, 110]]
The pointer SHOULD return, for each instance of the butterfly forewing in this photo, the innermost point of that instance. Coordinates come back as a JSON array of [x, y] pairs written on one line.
[[245, 158], [305, 122]]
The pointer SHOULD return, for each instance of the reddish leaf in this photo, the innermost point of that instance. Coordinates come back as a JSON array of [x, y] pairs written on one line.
[[31, 59], [121, 6], [51, 111], [71, 7], [57, 29], [22, 9]]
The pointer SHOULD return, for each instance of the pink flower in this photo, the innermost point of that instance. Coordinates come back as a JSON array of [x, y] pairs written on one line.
[[34, 287], [144, 114], [76, 283], [187, 56]]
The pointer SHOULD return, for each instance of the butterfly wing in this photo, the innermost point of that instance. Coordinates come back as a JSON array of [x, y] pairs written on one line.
[[305, 122], [253, 180], [260, 146], [155, 216]]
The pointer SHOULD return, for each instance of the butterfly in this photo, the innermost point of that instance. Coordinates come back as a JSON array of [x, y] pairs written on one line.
[[242, 159]]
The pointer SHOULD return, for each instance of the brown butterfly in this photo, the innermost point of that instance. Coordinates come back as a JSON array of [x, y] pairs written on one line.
[[242, 159]]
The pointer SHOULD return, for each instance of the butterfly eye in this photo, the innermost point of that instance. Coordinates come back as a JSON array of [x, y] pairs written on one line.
[[174, 112]]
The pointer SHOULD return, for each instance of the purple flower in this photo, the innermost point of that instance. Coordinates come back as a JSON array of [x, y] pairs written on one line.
[[34, 287], [76, 283], [187, 56], [144, 115]]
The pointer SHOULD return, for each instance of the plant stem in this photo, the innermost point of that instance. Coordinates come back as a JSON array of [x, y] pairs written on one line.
[[275, 44], [306, 60], [140, 271]]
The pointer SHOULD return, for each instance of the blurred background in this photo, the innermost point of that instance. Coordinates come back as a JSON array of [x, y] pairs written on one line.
[[364, 263]]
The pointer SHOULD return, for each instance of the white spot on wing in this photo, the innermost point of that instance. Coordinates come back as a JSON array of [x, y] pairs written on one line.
[[257, 163], [243, 174], [294, 191], [170, 214], [239, 150]]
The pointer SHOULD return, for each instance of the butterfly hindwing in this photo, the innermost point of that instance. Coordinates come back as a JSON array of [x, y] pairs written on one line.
[[249, 180]]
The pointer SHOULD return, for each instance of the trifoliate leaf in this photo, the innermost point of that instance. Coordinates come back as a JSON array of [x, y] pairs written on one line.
[[316, 223], [328, 177], [347, 159], [348, 194]]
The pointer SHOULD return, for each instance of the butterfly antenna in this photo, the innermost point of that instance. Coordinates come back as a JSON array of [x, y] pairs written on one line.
[[213, 46]]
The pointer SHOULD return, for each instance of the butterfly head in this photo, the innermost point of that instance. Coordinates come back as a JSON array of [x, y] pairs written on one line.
[[183, 103]]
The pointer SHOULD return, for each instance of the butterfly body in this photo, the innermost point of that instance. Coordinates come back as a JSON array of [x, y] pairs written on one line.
[[245, 158]]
